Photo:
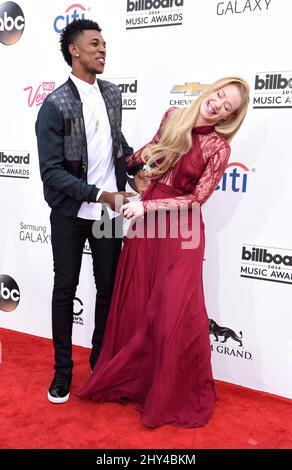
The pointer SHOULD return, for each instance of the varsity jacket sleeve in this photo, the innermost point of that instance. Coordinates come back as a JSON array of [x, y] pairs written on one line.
[[126, 149], [50, 140]]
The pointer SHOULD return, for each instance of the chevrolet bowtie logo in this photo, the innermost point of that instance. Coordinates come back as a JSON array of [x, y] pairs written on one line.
[[190, 88]]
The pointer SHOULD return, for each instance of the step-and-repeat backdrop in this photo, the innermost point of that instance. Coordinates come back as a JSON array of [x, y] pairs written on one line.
[[160, 53]]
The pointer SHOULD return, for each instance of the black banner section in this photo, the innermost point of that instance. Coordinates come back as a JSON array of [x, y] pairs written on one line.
[[133, 457]]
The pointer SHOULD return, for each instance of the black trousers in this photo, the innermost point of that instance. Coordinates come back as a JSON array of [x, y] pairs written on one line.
[[68, 239]]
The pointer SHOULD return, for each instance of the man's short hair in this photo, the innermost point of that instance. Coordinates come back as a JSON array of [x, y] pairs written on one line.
[[70, 33]]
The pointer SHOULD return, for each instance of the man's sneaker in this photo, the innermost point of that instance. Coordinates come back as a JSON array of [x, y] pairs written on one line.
[[59, 390]]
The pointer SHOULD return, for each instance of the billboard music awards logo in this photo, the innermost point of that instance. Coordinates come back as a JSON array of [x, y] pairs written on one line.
[[73, 12], [235, 178], [9, 293], [77, 312], [154, 13], [234, 342], [14, 164], [12, 23], [266, 263], [36, 96], [186, 94], [34, 234], [129, 89], [273, 90], [242, 6]]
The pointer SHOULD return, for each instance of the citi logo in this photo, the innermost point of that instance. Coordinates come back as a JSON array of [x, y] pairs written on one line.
[[235, 178], [73, 12], [140, 5], [262, 255], [9, 293], [12, 23], [272, 82]]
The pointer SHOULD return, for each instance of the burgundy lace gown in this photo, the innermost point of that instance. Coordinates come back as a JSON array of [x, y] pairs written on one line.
[[156, 348]]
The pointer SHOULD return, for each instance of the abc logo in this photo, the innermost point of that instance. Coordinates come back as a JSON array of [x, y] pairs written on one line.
[[11, 23], [9, 293]]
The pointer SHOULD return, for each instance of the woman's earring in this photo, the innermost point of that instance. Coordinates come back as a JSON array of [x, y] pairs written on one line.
[[77, 55]]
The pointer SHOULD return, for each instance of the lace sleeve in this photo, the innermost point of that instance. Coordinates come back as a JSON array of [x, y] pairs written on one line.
[[134, 160], [210, 178]]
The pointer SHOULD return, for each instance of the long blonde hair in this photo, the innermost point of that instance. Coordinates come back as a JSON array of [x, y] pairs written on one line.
[[176, 134]]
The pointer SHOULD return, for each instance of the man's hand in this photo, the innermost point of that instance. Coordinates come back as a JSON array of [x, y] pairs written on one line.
[[141, 181], [115, 200]]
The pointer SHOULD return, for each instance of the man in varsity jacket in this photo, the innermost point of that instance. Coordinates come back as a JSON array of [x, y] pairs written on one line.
[[81, 154]]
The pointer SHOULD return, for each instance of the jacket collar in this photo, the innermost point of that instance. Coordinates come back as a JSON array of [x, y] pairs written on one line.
[[83, 86], [75, 91], [73, 88]]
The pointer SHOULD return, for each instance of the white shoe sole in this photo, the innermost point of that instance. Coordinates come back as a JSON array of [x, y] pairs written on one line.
[[58, 400]]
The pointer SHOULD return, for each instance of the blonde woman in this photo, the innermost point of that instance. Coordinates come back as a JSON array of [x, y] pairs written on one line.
[[156, 350]]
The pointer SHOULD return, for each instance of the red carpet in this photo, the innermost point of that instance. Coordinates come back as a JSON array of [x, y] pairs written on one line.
[[243, 419]]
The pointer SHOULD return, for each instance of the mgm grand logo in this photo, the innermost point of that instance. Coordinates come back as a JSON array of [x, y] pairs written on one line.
[[221, 335]]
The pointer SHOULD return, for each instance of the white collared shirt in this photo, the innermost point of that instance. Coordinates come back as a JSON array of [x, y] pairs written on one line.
[[101, 169]]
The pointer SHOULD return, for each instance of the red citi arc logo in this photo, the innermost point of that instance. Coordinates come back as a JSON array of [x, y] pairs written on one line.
[[73, 12], [235, 178], [37, 96]]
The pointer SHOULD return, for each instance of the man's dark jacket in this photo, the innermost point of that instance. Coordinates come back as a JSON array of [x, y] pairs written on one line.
[[62, 146]]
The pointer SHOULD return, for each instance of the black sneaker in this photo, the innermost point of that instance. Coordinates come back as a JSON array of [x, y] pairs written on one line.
[[59, 390]]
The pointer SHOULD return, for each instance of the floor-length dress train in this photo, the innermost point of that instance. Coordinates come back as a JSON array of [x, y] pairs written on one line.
[[156, 350]]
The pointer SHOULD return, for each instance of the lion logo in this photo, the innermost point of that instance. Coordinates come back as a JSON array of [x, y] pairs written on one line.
[[218, 331]]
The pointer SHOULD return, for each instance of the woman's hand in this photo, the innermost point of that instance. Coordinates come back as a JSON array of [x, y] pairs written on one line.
[[116, 199], [133, 210], [141, 181]]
